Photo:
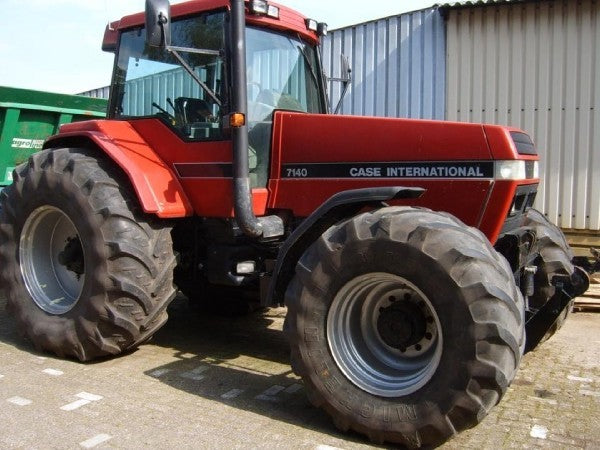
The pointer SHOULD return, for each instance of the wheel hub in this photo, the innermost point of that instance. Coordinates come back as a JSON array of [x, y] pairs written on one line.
[[52, 260], [401, 325], [384, 334], [72, 256]]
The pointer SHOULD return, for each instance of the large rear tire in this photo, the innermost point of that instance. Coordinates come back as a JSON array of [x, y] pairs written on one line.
[[405, 324], [86, 273], [554, 259]]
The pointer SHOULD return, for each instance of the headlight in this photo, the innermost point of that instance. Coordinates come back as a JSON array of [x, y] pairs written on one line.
[[510, 170], [536, 169]]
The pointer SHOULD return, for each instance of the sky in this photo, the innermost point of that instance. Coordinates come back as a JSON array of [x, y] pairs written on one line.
[[54, 45]]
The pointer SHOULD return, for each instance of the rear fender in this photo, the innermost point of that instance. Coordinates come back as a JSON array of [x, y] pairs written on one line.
[[340, 206], [158, 189]]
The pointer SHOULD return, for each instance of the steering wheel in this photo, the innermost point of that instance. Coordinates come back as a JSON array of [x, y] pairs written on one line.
[[163, 111]]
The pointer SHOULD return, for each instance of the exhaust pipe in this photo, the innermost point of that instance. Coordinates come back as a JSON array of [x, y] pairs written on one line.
[[269, 226]]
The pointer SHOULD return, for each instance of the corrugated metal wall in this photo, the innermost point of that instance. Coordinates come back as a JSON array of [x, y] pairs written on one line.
[[398, 66], [536, 66], [102, 92]]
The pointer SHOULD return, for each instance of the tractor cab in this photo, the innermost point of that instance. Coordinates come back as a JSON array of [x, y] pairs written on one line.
[[187, 82]]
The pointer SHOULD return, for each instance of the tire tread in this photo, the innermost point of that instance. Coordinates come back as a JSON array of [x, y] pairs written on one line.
[[139, 263], [461, 250]]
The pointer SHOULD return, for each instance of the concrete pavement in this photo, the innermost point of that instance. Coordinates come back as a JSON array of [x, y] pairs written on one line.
[[212, 382]]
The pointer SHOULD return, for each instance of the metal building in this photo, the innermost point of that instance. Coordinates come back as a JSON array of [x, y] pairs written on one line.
[[536, 66], [102, 92], [398, 66]]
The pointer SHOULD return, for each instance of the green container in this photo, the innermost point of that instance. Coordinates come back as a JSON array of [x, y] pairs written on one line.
[[28, 117]]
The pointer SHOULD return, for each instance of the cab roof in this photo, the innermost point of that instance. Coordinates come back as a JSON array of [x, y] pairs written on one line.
[[289, 20]]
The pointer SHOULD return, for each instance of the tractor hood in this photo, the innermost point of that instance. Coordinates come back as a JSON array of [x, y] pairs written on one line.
[[316, 156], [340, 139]]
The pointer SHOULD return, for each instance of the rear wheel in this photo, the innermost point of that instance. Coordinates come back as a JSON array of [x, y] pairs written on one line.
[[86, 274], [405, 325], [554, 259]]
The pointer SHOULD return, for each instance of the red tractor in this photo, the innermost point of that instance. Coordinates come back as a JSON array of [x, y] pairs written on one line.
[[413, 267]]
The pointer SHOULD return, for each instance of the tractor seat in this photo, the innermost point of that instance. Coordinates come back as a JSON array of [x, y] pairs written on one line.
[[193, 109]]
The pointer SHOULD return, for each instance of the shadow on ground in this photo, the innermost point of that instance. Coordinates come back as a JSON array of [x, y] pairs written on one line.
[[239, 361]]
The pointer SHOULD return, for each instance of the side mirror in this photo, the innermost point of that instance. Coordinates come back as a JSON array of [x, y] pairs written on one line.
[[345, 78], [158, 23]]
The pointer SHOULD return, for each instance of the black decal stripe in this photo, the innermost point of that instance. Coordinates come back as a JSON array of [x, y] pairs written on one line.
[[204, 170], [427, 169]]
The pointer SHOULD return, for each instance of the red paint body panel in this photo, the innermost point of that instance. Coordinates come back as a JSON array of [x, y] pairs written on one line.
[[369, 139], [155, 183], [304, 196], [331, 138], [502, 145], [147, 150], [210, 197], [289, 20], [303, 138], [162, 166]]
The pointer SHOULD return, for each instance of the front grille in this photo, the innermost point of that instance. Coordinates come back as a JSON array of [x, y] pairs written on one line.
[[522, 201]]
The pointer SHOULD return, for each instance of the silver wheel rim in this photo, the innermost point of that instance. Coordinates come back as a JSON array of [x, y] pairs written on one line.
[[384, 334], [51, 258]]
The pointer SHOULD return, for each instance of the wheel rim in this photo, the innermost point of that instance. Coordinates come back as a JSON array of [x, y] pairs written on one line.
[[384, 334], [52, 260]]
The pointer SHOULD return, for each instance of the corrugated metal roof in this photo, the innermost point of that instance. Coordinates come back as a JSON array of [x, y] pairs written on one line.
[[470, 3]]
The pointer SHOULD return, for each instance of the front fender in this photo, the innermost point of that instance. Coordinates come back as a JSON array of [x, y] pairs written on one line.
[[158, 189], [340, 206]]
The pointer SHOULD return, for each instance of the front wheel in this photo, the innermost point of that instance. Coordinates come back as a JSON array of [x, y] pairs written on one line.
[[405, 324], [86, 273], [554, 259]]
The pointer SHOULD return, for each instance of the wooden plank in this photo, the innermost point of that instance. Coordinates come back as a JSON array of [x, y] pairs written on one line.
[[587, 307], [590, 301], [582, 240], [584, 304]]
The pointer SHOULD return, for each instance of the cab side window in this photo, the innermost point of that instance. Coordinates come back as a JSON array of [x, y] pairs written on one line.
[[151, 82]]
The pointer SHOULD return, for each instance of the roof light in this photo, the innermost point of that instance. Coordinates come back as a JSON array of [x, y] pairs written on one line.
[[262, 8], [322, 29], [273, 11], [311, 24], [259, 7]]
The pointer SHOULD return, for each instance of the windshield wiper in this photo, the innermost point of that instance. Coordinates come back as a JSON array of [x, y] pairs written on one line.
[[308, 62], [188, 68]]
